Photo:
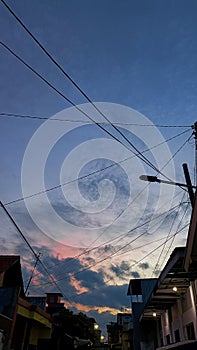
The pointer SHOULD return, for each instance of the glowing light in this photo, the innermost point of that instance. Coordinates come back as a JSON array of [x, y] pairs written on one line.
[[154, 314], [174, 289], [102, 337], [96, 326]]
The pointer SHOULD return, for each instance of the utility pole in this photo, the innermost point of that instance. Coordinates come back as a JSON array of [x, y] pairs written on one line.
[[195, 138], [188, 183]]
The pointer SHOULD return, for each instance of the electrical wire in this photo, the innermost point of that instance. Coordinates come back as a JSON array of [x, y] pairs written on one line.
[[104, 259], [144, 245], [178, 150], [104, 282], [171, 227], [23, 116], [104, 231], [63, 96], [139, 154], [55, 62], [114, 239], [37, 256], [170, 246], [131, 202], [119, 237], [89, 247], [92, 173], [155, 249], [128, 250], [138, 262]]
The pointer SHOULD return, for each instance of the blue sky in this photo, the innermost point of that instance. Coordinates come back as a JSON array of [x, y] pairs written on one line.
[[140, 55]]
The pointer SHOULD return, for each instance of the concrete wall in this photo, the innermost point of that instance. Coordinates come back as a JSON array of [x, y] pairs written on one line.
[[183, 314]]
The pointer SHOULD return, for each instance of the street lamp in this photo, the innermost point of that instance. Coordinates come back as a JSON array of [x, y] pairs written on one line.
[[188, 184], [151, 178]]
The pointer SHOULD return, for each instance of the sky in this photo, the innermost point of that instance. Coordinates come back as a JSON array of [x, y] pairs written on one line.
[[68, 177]]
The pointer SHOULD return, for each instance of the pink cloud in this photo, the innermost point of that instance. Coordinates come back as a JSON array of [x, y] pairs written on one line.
[[77, 285]]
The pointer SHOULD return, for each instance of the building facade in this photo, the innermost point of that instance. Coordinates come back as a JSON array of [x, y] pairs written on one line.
[[22, 324], [165, 309]]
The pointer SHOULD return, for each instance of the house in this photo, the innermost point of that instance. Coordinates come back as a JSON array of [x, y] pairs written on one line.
[[140, 291], [22, 323], [164, 312], [120, 332]]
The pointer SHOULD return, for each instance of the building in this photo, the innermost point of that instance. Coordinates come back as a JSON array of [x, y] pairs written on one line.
[[22, 323], [140, 291], [120, 333], [164, 310]]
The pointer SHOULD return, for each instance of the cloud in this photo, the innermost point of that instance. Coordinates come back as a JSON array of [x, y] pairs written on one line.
[[98, 309], [144, 266], [135, 274], [77, 285], [121, 270]]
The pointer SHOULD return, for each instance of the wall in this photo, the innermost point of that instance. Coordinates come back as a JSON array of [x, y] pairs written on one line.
[[177, 322], [38, 332]]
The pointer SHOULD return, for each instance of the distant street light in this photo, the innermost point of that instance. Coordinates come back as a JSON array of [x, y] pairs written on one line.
[[96, 326], [102, 338]]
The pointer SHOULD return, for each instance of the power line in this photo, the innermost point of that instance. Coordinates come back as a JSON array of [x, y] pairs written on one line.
[[152, 251], [121, 236], [88, 250], [119, 215], [77, 86], [174, 236], [66, 74], [125, 245], [63, 96], [23, 116], [178, 150], [37, 256], [172, 224], [131, 249], [134, 248], [32, 273], [155, 249], [94, 172], [142, 246], [138, 154], [106, 258]]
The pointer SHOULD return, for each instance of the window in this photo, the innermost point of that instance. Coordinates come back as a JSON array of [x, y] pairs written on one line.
[[136, 289], [52, 299], [190, 331], [136, 299], [177, 336], [168, 339]]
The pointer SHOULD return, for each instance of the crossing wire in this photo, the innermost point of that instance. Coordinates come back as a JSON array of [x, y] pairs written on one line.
[[97, 171], [139, 154]]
